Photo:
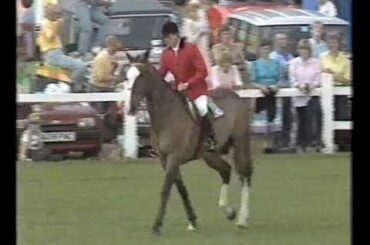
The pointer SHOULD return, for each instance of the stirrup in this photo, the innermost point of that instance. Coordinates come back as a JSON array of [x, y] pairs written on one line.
[[216, 111]]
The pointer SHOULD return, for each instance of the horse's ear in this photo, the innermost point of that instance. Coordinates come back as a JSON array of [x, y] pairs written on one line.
[[129, 57], [146, 55]]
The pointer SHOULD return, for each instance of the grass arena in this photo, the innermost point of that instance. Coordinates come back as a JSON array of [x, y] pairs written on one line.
[[294, 199]]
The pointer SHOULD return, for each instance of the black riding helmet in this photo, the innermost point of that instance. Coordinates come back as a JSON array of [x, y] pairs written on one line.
[[169, 28]]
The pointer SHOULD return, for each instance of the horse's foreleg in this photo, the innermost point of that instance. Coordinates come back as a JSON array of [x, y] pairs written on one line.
[[187, 203], [171, 169]]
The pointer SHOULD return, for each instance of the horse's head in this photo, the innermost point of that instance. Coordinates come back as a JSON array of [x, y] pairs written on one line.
[[137, 76]]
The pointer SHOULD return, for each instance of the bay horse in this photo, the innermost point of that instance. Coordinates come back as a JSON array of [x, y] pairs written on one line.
[[176, 137]]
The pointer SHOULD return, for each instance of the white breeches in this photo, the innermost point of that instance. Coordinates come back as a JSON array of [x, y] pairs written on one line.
[[202, 105]]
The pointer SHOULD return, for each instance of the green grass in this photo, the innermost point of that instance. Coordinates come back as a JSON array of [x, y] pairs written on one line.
[[294, 200]]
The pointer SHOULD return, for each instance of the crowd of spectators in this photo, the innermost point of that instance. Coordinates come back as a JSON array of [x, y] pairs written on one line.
[[274, 67]]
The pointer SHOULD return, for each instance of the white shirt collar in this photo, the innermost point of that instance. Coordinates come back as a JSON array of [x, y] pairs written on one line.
[[176, 48]]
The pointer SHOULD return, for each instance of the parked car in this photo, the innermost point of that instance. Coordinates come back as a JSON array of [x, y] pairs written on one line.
[[66, 128], [251, 26], [138, 24], [219, 14]]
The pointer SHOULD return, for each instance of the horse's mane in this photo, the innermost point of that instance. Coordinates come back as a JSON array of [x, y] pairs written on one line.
[[152, 69]]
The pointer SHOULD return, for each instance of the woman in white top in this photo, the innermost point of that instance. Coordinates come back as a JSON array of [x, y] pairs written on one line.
[[226, 75], [304, 74]]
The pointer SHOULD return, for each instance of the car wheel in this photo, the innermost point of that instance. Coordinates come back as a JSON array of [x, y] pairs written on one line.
[[56, 157], [94, 154], [39, 155]]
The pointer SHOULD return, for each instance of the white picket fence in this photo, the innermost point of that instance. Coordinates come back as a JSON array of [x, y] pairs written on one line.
[[326, 92]]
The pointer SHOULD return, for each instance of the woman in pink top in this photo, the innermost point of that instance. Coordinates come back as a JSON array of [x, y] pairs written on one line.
[[304, 74]]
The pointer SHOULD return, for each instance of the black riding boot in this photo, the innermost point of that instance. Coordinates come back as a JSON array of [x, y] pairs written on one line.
[[211, 138]]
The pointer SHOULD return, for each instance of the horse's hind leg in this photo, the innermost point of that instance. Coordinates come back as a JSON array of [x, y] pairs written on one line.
[[186, 201], [172, 170], [215, 161], [243, 166]]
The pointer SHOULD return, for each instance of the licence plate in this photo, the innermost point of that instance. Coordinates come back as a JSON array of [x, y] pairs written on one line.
[[59, 137]]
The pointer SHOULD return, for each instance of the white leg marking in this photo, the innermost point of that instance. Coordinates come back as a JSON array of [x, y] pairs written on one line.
[[222, 201], [244, 205], [191, 227]]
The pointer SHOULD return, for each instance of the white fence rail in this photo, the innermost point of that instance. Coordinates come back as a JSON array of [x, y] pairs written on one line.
[[326, 92]]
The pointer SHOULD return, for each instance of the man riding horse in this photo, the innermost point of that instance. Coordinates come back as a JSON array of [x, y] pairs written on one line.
[[182, 65]]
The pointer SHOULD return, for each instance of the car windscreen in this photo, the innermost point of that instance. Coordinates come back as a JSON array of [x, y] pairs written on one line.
[[298, 32], [136, 32]]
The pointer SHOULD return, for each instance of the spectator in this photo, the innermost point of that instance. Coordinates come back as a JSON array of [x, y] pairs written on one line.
[[319, 47], [103, 67], [196, 29], [106, 71], [87, 13], [338, 64], [327, 7], [304, 74], [235, 49], [226, 75], [51, 46], [266, 75], [27, 25], [283, 56]]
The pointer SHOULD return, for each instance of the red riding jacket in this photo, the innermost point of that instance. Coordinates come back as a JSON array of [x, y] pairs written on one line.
[[187, 66]]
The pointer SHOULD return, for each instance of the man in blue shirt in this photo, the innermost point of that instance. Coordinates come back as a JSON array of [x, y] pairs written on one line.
[[283, 56], [265, 74]]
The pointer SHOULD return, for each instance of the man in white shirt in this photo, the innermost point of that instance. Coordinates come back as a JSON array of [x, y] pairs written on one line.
[[328, 8]]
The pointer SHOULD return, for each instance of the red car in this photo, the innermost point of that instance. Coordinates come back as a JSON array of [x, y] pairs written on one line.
[[66, 128]]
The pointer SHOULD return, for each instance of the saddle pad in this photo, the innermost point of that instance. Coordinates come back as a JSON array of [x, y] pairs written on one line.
[[193, 110], [54, 73]]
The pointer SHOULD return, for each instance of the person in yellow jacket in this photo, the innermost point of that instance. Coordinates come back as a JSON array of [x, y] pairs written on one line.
[[105, 68], [337, 62], [51, 47], [105, 63]]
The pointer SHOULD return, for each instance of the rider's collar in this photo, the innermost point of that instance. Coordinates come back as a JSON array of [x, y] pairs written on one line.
[[177, 47]]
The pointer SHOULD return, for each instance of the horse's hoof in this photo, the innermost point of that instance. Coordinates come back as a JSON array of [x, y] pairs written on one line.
[[242, 225], [230, 213], [156, 231], [191, 227]]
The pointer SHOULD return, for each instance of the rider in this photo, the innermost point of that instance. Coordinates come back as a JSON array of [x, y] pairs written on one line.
[[183, 65], [51, 45]]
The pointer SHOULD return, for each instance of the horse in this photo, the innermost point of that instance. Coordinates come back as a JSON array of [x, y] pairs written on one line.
[[176, 136]]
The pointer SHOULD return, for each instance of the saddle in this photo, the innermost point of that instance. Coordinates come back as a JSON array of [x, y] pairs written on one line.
[[194, 111]]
